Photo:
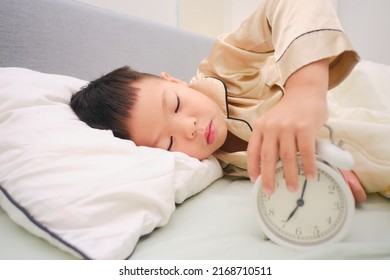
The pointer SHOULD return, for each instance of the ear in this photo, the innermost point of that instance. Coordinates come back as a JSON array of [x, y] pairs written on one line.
[[169, 78]]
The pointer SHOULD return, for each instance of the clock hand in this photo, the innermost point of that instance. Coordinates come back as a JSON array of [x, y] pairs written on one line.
[[300, 202], [293, 212], [304, 189]]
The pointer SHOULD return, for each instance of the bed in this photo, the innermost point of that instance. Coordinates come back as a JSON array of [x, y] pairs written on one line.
[[63, 201]]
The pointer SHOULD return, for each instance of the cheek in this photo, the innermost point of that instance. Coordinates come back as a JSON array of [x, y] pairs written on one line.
[[143, 133], [221, 132]]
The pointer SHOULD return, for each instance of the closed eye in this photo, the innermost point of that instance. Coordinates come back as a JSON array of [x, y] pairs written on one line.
[[170, 144], [178, 103], [176, 110]]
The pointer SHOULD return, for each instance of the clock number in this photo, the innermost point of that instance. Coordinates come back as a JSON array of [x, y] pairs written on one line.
[[336, 206], [300, 171], [329, 220], [298, 231], [271, 212], [331, 189], [316, 230], [266, 197]]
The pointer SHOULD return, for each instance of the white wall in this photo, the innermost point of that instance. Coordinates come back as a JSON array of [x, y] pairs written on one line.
[[206, 17], [236, 11], [162, 11], [367, 22], [213, 17], [202, 16]]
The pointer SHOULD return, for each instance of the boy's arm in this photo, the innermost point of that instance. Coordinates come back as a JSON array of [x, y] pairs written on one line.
[[291, 126]]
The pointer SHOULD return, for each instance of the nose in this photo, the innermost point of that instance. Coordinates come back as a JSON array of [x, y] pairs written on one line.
[[187, 127]]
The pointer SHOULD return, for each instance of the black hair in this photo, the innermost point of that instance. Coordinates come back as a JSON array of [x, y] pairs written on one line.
[[106, 102]]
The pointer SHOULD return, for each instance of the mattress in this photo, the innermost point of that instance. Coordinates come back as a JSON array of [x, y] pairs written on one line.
[[219, 223]]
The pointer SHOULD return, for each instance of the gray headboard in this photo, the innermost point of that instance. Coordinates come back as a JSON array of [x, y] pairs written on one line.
[[72, 38]]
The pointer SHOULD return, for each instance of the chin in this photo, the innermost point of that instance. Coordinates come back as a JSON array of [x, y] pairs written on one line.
[[203, 157]]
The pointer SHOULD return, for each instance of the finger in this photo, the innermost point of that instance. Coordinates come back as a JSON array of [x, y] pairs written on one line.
[[355, 186], [357, 191], [268, 159], [253, 156], [288, 156], [306, 148]]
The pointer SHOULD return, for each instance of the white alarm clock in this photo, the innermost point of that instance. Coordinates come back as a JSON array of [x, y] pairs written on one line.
[[319, 213]]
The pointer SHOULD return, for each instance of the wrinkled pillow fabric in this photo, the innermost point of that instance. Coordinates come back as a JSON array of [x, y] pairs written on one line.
[[82, 189]]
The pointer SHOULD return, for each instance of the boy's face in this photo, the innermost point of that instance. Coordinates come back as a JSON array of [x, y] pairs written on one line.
[[170, 115]]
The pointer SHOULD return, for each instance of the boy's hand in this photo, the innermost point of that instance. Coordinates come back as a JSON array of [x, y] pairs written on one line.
[[354, 184], [290, 127]]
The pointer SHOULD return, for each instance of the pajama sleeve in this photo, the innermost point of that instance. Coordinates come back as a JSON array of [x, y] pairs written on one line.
[[281, 36]]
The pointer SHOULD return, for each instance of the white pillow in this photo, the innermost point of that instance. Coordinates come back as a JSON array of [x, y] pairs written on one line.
[[80, 188]]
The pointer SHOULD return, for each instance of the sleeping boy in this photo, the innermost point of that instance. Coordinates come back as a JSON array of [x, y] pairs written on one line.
[[259, 96]]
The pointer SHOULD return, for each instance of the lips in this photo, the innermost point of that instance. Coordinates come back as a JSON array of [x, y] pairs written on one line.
[[209, 133]]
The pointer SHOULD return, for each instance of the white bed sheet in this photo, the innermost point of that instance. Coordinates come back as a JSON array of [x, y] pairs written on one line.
[[219, 224]]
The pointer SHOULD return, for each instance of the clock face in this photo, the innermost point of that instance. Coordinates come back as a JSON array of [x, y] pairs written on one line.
[[313, 215]]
